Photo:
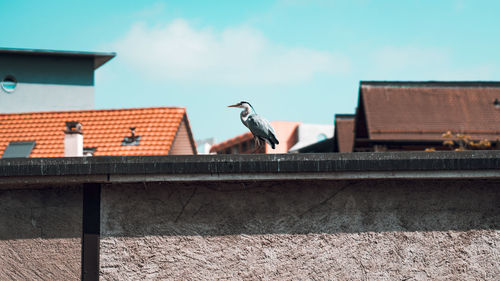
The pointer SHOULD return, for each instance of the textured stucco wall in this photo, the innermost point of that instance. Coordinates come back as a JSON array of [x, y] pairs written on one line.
[[40, 232], [365, 230]]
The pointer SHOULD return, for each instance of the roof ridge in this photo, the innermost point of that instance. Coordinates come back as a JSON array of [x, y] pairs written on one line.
[[345, 115], [91, 110], [430, 83]]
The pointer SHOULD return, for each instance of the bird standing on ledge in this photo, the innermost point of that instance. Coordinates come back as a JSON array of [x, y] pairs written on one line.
[[260, 127]]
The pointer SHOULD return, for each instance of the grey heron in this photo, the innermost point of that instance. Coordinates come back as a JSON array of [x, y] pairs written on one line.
[[259, 126]]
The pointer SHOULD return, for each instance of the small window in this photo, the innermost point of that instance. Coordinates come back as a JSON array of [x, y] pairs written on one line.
[[9, 83], [20, 149]]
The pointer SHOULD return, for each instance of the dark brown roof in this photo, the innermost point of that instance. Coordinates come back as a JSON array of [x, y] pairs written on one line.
[[344, 132], [425, 110]]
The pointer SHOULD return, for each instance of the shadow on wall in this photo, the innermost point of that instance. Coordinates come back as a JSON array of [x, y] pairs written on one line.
[[41, 213], [48, 70], [298, 207], [292, 207]]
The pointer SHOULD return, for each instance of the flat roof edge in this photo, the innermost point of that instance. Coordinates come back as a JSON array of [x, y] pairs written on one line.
[[482, 164], [15, 182], [100, 58]]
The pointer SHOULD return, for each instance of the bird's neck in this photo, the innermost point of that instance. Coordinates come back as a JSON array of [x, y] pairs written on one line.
[[244, 115], [246, 111]]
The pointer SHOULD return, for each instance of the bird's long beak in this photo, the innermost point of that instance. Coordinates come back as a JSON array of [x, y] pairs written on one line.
[[234, 105]]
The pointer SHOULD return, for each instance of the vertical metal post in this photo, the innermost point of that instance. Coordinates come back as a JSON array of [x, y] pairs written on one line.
[[91, 228]]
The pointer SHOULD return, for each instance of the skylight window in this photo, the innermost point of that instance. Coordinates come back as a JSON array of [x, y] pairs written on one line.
[[20, 149]]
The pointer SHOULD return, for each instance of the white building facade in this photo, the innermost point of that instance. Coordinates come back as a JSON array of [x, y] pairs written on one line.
[[44, 80]]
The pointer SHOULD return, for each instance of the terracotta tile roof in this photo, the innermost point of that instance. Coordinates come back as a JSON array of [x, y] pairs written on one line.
[[344, 132], [231, 142], [425, 110], [104, 129]]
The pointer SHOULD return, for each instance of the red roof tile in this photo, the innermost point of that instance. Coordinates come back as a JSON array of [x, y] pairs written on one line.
[[104, 129], [231, 142]]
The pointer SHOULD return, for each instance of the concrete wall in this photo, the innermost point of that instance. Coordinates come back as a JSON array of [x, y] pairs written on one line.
[[302, 230], [368, 216], [40, 232], [48, 83]]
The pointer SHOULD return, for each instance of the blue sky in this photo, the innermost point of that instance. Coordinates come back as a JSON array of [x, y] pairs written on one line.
[[293, 60]]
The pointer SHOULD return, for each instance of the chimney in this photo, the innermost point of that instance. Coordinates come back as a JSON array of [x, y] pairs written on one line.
[[73, 139]]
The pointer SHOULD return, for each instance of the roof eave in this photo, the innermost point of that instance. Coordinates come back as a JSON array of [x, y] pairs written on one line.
[[100, 58]]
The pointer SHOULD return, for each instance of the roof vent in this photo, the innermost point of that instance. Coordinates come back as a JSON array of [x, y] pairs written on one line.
[[496, 103], [89, 151], [73, 127], [133, 139]]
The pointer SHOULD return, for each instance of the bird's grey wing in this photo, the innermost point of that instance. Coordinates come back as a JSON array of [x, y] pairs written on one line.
[[260, 127]]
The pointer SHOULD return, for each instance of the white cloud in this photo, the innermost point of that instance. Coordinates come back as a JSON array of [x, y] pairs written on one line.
[[238, 55], [459, 5]]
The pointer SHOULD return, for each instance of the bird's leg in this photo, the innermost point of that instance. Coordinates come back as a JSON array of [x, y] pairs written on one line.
[[257, 144]]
